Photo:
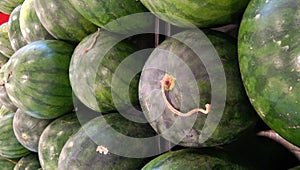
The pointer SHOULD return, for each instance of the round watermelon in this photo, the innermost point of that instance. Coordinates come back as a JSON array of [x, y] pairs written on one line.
[[53, 139], [7, 6], [28, 129], [107, 14], [92, 71], [93, 146], [9, 145], [5, 46], [30, 25], [200, 13], [62, 21], [28, 162], [14, 31], [38, 79], [269, 57], [193, 159], [185, 96]]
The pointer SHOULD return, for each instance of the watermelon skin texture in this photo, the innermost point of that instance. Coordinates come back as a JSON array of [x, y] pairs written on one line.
[[7, 6], [30, 25], [39, 84], [62, 21], [200, 13], [101, 12], [30, 161], [4, 98], [53, 139], [192, 159], [270, 63], [28, 129], [9, 145], [5, 46], [238, 115], [79, 152], [14, 31], [91, 79]]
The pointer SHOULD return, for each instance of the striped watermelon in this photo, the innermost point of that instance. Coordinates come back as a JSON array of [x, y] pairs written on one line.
[[201, 13], [9, 145], [28, 162], [62, 21], [28, 129], [53, 139], [30, 25], [95, 90], [14, 31], [4, 99], [7, 6], [5, 46], [38, 83], [101, 12]]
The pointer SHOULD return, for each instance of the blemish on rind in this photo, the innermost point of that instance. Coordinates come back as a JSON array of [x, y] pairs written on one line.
[[102, 150], [257, 16]]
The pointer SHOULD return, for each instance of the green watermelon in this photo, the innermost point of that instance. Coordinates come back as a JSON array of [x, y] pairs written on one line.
[[28, 129], [193, 159], [190, 86], [62, 21], [92, 70], [4, 99], [38, 81], [7, 164], [14, 31], [88, 148], [269, 57], [7, 6], [53, 139], [101, 12], [28, 162], [5, 46], [3, 60], [9, 145], [30, 25], [200, 13]]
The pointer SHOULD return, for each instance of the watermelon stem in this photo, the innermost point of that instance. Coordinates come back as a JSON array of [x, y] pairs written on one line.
[[93, 42], [167, 84], [14, 162]]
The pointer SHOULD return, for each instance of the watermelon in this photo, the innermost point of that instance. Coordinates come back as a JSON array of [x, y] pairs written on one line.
[[4, 99], [28, 162], [200, 13], [193, 159], [7, 164], [5, 46], [7, 6], [92, 71], [62, 21], [270, 64], [38, 81], [28, 129], [107, 14], [30, 25], [14, 31], [195, 82], [3, 60], [94, 146], [53, 139], [9, 145]]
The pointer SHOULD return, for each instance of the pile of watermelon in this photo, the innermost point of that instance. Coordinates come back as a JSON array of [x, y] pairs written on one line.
[[170, 84]]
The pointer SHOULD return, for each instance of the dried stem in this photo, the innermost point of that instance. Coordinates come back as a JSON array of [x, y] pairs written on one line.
[[14, 162], [167, 83], [93, 42], [274, 136]]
